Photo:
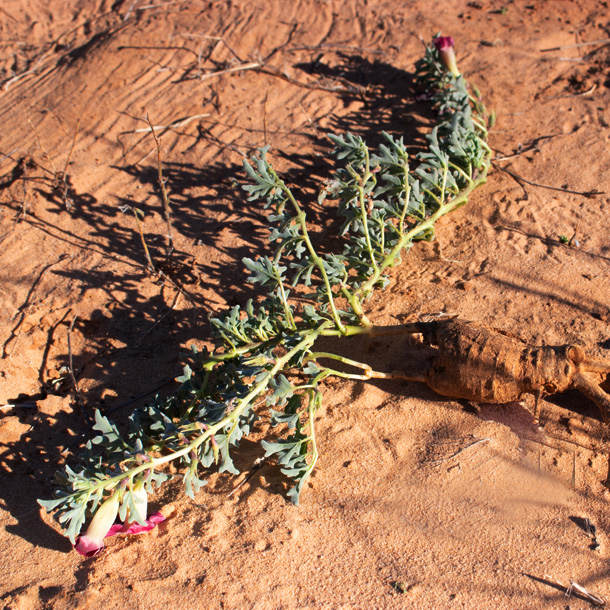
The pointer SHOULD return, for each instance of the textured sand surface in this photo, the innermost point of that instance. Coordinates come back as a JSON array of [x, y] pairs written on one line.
[[396, 515]]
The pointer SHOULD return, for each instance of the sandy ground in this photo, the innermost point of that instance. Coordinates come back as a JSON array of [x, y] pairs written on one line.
[[405, 510]]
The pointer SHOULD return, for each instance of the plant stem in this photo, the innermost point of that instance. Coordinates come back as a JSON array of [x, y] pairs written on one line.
[[260, 387], [363, 212], [356, 306], [314, 255], [444, 208], [141, 232], [311, 411], [405, 207], [284, 299]]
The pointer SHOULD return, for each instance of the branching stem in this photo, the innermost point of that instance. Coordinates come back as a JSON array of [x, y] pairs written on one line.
[[257, 355], [423, 226], [363, 211], [314, 255], [211, 430]]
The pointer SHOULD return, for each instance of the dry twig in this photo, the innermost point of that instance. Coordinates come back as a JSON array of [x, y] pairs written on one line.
[[21, 405], [577, 45], [582, 591], [257, 465], [520, 180], [43, 149], [476, 442], [164, 197], [309, 119]]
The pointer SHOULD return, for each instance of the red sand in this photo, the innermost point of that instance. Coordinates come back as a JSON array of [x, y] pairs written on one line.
[[384, 523]]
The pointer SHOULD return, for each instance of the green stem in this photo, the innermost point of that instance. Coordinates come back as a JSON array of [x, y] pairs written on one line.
[[284, 299], [406, 238], [444, 184], [368, 374], [480, 127], [466, 176], [260, 387], [311, 411], [198, 396], [314, 255], [356, 306], [331, 356], [363, 212], [405, 207], [438, 200]]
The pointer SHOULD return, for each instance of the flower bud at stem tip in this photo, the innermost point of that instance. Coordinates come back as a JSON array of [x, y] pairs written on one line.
[[444, 46]]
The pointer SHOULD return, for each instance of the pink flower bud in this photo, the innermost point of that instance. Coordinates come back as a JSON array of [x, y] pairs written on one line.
[[444, 46], [92, 541], [102, 525], [137, 523]]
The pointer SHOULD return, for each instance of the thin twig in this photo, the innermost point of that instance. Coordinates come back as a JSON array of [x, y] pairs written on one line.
[[23, 212], [37, 65], [519, 179], [179, 288], [533, 145], [200, 59], [479, 440], [8, 155], [130, 10], [242, 153], [257, 465], [141, 232], [309, 119], [70, 361], [345, 85], [568, 95], [64, 175], [44, 150], [165, 198], [592, 597], [151, 266], [162, 4], [141, 47], [220, 39], [77, 395], [335, 47], [21, 405], [577, 45], [574, 586], [265, 117], [250, 66], [71, 150]]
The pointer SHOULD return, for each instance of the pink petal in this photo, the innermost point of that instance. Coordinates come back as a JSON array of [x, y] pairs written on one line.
[[117, 528], [88, 546], [443, 43], [157, 518], [136, 528]]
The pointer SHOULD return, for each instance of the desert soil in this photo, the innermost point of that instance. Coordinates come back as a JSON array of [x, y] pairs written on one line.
[[406, 509]]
